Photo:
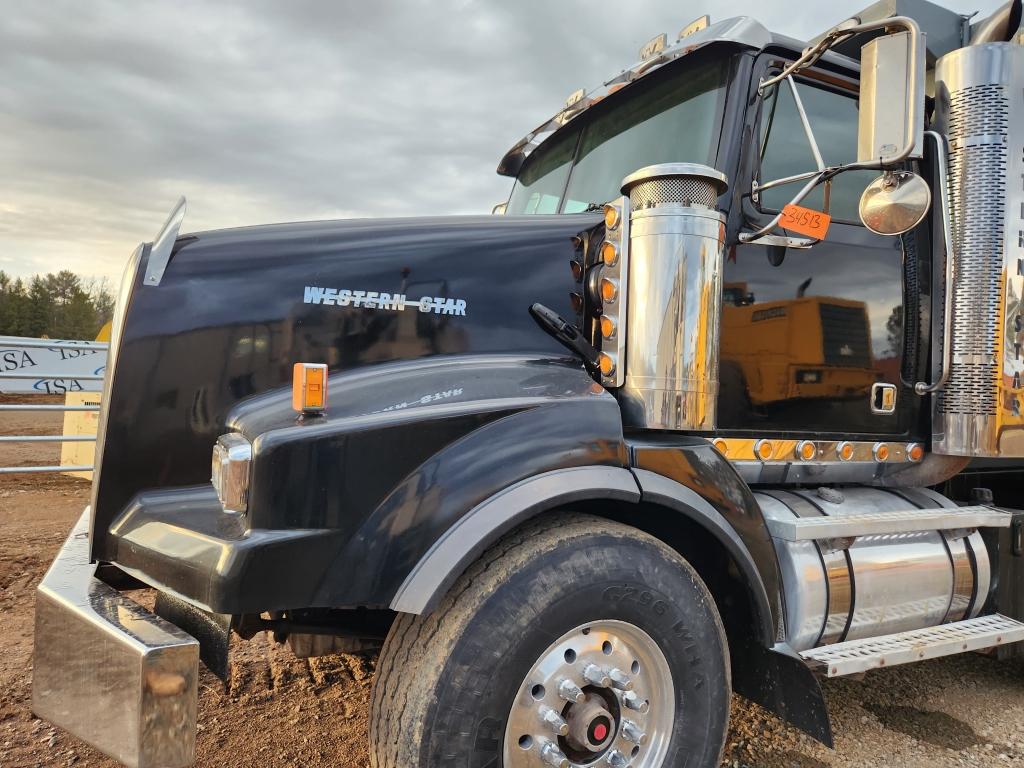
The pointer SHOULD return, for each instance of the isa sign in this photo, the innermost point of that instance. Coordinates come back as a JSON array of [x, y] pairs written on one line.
[[22, 368]]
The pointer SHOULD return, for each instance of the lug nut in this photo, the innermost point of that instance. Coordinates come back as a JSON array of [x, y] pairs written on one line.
[[620, 681], [634, 702], [632, 732], [571, 692], [617, 760], [552, 755], [594, 675], [554, 721]]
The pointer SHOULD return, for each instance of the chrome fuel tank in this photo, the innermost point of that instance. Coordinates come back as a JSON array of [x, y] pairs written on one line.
[[837, 590]]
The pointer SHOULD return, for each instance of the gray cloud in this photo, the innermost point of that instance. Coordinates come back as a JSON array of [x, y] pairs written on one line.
[[266, 111]]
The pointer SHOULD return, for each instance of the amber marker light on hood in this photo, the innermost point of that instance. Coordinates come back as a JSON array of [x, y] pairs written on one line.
[[309, 387]]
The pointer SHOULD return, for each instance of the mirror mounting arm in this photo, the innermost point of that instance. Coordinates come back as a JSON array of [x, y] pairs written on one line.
[[750, 237]]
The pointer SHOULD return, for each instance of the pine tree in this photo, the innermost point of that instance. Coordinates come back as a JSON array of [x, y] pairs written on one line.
[[55, 306]]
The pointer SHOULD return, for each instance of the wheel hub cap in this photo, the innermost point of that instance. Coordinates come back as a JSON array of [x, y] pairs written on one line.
[[601, 695], [590, 724]]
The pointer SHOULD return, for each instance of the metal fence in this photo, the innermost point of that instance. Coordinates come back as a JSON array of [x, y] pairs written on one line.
[[10, 344]]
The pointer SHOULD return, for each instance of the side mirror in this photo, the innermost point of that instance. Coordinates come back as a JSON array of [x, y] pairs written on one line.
[[895, 203], [892, 75]]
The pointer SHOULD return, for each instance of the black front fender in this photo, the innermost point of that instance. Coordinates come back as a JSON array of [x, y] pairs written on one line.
[[409, 450]]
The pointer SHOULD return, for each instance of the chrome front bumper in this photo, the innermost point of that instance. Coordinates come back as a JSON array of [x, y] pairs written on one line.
[[109, 671]]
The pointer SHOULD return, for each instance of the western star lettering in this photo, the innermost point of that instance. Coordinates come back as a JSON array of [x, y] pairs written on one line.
[[397, 302]]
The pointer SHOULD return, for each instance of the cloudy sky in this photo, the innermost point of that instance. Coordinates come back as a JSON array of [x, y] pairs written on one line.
[[268, 111]]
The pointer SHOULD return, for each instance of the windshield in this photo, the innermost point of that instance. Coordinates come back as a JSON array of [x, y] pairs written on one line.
[[673, 120]]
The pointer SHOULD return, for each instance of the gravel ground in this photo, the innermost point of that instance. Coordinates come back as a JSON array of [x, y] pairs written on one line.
[[280, 711]]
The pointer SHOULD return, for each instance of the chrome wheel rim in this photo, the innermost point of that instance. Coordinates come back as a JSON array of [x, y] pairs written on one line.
[[601, 695]]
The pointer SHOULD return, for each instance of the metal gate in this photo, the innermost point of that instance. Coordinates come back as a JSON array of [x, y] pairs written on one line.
[[16, 378]]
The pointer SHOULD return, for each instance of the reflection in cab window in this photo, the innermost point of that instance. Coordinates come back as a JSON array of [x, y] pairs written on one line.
[[804, 340], [786, 151]]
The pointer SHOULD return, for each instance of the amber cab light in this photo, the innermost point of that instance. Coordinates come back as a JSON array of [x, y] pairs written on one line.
[[609, 290], [607, 327], [612, 216], [609, 254], [309, 387]]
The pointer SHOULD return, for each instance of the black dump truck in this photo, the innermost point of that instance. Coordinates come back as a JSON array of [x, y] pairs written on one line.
[[519, 453]]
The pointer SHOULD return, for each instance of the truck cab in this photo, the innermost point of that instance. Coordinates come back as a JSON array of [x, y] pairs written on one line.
[[677, 422]]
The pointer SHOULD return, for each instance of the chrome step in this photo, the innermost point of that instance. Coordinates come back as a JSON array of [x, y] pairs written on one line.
[[878, 523], [856, 656]]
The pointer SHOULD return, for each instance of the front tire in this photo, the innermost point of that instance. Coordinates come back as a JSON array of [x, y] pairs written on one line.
[[476, 683]]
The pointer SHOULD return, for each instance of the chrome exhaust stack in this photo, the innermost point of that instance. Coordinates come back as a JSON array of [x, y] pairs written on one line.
[[980, 110], [674, 299]]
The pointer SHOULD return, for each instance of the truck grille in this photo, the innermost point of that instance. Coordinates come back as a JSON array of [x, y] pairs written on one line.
[[845, 337]]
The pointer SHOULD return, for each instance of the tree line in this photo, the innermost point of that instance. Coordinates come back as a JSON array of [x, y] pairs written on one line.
[[59, 305]]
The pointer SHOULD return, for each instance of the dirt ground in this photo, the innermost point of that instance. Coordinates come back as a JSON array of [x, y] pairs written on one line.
[[279, 711]]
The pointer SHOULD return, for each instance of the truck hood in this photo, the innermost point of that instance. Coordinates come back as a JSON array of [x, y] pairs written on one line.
[[237, 308]]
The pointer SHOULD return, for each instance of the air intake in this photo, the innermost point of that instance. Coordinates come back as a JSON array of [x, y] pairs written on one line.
[[979, 108], [676, 242]]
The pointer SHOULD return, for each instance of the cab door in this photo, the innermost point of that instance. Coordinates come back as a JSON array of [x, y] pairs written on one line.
[[808, 333]]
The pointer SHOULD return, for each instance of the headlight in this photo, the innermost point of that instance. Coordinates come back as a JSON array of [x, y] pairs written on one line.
[[232, 456], [808, 377]]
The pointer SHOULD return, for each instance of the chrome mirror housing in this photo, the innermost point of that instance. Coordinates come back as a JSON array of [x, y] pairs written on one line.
[[895, 203]]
